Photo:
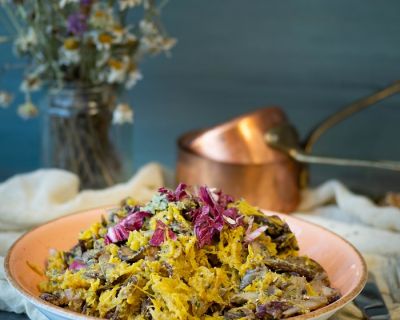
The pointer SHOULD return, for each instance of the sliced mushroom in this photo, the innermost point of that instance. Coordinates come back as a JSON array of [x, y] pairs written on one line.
[[128, 255], [54, 299], [250, 276], [302, 266], [238, 313]]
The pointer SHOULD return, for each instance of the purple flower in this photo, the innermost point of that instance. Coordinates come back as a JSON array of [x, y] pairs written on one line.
[[77, 24], [86, 2]]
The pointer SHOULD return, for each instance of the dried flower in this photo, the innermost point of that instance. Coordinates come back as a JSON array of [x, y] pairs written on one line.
[[27, 110], [26, 42], [5, 99], [63, 3], [90, 42], [104, 41], [69, 52], [77, 23], [156, 43], [148, 27], [125, 4], [134, 76], [123, 113], [117, 71], [31, 83], [102, 18]]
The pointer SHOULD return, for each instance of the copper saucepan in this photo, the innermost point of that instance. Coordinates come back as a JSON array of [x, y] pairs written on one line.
[[258, 156]]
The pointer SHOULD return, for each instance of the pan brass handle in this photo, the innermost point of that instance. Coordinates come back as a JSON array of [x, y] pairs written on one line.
[[285, 138], [306, 158], [348, 111]]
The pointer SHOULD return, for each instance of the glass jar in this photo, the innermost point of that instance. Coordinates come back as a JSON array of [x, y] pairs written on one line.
[[79, 136]]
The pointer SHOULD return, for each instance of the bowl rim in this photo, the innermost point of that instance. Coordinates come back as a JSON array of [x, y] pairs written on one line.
[[36, 301]]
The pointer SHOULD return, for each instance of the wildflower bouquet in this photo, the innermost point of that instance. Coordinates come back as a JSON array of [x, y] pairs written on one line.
[[86, 52], [89, 42]]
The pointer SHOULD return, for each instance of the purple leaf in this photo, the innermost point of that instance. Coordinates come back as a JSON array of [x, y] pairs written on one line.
[[159, 234], [206, 197], [205, 228], [77, 265], [232, 217], [213, 215], [176, 195], [121, 230], [255, 234]]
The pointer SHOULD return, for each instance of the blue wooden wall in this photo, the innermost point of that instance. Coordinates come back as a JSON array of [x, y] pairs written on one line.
[[311, 57]]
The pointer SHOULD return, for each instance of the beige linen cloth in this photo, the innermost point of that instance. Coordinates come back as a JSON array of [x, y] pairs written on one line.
[[27, 200]]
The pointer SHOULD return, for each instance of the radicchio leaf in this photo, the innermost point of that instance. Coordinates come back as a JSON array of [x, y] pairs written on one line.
[[206, 225], [159, 234], [121, 230], [232, 217], [255, 234], [176, 195], [77, 265], [210, 218]]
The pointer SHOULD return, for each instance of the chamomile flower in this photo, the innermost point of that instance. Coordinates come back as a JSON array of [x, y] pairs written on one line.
[[5, 99], [133, 77], [27, 110], [125, 4], [148, 27], [157, 44], [26, 42], [103, 41], [63, 3], [102, 18], [31, 83], [118, 70], [118, 33], [69, 52], [123, 113]]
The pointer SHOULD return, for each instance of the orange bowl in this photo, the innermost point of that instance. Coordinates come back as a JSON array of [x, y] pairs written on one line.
[[344, 264]]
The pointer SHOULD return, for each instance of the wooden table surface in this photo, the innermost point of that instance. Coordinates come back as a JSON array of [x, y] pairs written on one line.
[[233, 56]]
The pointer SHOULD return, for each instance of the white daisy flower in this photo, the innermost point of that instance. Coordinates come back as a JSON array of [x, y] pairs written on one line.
[[157, 44], [118, 70], [102, 18], [31, 83], [5, 99], [27, 110], [133, 77], [125, 4], [123, 113], [69, 52], [26, 41], [118, 33], [148, 27], [63, 3], [103, 58], [103, 41]]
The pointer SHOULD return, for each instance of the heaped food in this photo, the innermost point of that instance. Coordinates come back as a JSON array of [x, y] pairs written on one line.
[[187, 255]]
